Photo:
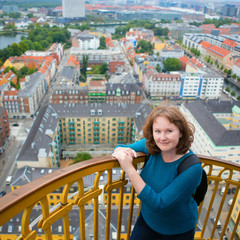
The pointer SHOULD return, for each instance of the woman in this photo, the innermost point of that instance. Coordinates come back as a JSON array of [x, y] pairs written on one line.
[[168, 210]]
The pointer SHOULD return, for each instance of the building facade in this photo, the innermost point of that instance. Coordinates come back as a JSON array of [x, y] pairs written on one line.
[[73, 8], [217, 129], [4, 129]]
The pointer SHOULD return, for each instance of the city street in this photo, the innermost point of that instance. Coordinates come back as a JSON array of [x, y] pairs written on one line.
[[18, 135]]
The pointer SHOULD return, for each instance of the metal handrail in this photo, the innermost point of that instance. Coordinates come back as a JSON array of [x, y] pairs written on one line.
[[25, 198]]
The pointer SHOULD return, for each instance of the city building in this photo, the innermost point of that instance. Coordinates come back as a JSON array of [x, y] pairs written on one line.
[[172, 53], [206, 84], [161, 85], [70, 94], [4, 129], [114, 58], [60, 125], [86, 41], [220, 56], [229, 10], [73, 8], [111, 93], [217, 128], [236, 68], [69, 76]]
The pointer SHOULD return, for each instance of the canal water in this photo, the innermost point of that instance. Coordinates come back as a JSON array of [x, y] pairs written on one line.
[[6, 40], [232, 88]]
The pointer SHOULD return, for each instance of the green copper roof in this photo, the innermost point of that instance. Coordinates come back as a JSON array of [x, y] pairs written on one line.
[[236, 109]]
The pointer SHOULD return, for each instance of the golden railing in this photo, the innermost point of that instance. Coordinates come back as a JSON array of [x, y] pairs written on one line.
[[27, 197]]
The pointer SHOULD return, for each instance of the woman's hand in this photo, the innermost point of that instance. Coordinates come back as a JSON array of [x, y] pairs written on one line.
[[125, 157]]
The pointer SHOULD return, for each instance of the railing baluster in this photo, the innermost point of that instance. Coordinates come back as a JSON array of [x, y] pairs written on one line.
[[132, 198], [109, 203], [120, 207]]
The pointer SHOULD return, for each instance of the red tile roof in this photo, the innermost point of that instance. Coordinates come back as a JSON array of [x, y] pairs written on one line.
[[195, 62], [205, 44], [184, 59], [219, 51], [230, 43]]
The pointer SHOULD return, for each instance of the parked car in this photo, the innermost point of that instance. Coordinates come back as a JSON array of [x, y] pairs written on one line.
[[15, 125], [230, 202], [2, 193], [219, 225]]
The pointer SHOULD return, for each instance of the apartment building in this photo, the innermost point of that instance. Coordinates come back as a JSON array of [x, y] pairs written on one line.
[[206, 84], [25, 102], [161, 85], [139, 34], [85, 41], [113, 58], [73, 9], [71, 94], [97, 90], [220, 56], [61, 125], [127, 93], [217, 128], [4, 129], [69, 76], [7, 77], [112, 93], [204, 41], [172, 53], [236, 68]]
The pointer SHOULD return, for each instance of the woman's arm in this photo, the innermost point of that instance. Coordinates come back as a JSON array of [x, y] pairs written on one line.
[[180, 189], [125, 157]]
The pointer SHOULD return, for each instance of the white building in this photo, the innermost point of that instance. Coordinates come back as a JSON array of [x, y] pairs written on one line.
[[159, 85], [217, 131], [172, 53], [207, 84], [88, 41], [73, 8]]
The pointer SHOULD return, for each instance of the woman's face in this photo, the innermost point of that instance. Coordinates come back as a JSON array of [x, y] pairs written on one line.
[[166, 135]]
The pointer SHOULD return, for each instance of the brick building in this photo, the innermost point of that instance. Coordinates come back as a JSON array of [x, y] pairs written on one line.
[[4, 129]]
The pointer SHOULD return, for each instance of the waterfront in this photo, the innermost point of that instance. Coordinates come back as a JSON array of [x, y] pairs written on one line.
[[8, 39]]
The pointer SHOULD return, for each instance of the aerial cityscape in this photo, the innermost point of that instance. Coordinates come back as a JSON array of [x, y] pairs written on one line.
[[78, 78]]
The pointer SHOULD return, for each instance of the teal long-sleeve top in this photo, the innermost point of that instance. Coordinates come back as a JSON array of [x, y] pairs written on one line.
[[167, 204]]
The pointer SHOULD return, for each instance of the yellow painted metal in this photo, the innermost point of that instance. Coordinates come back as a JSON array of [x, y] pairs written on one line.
[[109, 203], [130, 212], [25, 198]]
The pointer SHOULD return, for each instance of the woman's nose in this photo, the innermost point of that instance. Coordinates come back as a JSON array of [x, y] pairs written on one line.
[[163, 135]]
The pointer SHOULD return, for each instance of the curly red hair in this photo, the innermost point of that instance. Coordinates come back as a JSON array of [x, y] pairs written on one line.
[[174, 115]]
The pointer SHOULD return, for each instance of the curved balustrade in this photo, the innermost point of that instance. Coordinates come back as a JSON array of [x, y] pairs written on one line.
[[34, 194]]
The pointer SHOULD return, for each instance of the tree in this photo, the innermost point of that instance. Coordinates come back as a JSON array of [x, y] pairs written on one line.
[[102, 43], [15, 15], [227, 89], [158, 68], [171, 64], [16, 50], [233, 93], [10, 27], [234, 76], [103, 68], [81, 157], [84, 65], [144, 46], [30, 15]]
